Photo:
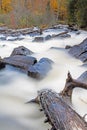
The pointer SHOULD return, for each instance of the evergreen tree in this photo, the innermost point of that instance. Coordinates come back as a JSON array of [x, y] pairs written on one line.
[[72, 11], [81, 13]]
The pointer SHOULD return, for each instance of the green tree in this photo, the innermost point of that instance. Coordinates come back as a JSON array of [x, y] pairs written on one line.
[[81, 13], [72, 11]]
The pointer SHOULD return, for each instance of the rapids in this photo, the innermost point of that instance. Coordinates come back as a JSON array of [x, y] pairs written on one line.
[[16, 87]]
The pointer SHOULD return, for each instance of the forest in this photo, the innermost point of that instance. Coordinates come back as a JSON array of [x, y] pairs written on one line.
[[28, 13]]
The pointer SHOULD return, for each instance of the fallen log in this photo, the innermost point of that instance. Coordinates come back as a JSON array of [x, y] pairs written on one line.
[[60, 34], [59, 114]]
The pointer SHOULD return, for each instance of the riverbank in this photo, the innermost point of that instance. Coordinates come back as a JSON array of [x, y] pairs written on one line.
[[16, 87]]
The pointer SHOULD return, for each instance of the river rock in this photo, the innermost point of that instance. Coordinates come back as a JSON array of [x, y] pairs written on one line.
[[40, 69], [48, 37], [65, 36], [20, 61], [21, 50], [80, 51], [67, 47], [2, 65], [42, 39], [38, 39]]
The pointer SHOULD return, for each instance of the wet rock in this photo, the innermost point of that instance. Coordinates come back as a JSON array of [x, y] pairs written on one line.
[[67, 47], [2, 65], [48, 37], [73, 28], [78, 32], [80, 51], [65, 36], [21, 50], [42, 39], [38, 39], [20, 61], [40, 69]]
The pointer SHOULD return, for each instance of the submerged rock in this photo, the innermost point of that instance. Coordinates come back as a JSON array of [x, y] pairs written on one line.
[[20, 61], [80, 51], [21, 50], [40, 69]]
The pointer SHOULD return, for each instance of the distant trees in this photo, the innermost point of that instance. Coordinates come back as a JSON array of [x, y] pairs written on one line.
[[81, 13], [25, 13], [77, 12], [5, 6]]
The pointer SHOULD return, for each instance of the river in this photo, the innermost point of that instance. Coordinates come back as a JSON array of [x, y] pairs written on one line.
[[16, 87]]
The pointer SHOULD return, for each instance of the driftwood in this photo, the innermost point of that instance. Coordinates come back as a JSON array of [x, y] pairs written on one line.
[[70, 85], [60, 34], [59, 114]]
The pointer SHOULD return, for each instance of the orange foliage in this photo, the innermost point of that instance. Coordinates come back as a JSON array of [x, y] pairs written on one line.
[[54, 5], [5, 6]]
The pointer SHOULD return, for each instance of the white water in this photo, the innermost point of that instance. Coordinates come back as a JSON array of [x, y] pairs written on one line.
[[16, 87]]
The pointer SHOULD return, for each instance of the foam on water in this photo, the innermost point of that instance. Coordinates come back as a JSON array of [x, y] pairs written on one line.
[[16, 87]]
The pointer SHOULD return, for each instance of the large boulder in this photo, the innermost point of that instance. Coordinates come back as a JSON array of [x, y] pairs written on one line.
[[20, 61], [40, 69], [80, 51], [21, 50]]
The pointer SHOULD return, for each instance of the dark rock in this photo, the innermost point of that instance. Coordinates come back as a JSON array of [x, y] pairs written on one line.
[[80, 51], [73, 28], [39, 39], [21, 50], [42, 39], [2, 65], [48, 37], [65, 36], [78, 32], [67, 47], [20, 61], [40, 69]]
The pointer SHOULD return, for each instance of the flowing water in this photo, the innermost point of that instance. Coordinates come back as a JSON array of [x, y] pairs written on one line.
[[16, 87]]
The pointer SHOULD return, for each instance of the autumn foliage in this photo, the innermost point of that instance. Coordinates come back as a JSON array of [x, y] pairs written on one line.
[[32, 12]]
